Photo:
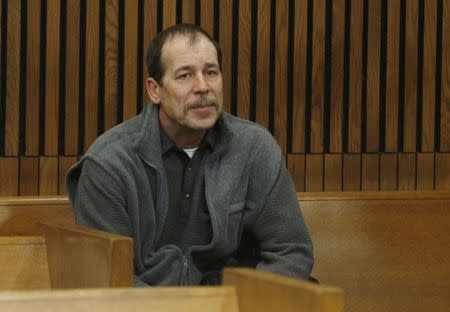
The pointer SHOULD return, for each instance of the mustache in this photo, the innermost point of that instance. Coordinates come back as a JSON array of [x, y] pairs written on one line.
[[203, 101]]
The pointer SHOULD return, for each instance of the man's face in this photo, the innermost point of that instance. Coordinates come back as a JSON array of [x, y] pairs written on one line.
[[190, 93]]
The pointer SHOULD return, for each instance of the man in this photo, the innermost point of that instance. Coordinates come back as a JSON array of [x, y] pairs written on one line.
[[196, 188]]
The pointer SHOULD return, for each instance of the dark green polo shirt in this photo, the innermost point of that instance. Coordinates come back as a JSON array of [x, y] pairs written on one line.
[[187, 223]]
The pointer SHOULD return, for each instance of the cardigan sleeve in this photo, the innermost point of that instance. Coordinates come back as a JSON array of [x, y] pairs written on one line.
[[284, 241]]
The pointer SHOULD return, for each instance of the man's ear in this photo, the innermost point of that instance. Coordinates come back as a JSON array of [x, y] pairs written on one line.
[[153, 90]]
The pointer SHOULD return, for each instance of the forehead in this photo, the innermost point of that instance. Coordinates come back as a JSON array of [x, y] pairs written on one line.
[[182, 50]]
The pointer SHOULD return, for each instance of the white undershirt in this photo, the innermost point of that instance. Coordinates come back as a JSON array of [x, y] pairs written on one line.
[[190, 151]]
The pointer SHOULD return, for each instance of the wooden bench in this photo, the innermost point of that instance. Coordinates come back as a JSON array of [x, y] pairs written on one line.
[[41, 248], [267, 292], [158, 299], [388, 251], [245, 290]]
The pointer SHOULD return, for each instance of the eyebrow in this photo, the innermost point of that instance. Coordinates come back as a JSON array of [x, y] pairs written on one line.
[[190, 67]]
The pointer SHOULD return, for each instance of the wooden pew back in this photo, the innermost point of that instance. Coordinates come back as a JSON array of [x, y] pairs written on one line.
[[64, 255], [388, 251], [181, 299], [267, 292]]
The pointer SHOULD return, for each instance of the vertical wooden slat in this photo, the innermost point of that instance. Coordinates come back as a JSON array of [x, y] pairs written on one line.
[[442, 172], [351, 172], [318, 64], [299, 75], [65, 162], [72, 77], [48, 175], [406, 171], [226, 43], [150, 28], [243, 93], [29, 176], [188, 11], [111, 62], [355, 79], [52, 77], [12, 79], [373, 78], [314, 173], [263, 64], [429, 76], [388, 172], [333, 173], [280, 76], [411, 71], [130, 59], [425, 171], [337, 76], [370, 172], [92, 75], [207, 15], [9, 181], [296, 167], [445, 83], [392, 75], [33, 74], [169, 13]]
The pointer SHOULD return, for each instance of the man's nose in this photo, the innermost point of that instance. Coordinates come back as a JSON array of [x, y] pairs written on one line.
[[201, 85]]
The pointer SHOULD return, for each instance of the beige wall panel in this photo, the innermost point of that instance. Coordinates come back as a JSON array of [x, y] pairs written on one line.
[[48, 175], [29, 176], [314, 172], [9, 182], [388, 172], [333, 173], [406, 171], [296, 167], [425, 171]]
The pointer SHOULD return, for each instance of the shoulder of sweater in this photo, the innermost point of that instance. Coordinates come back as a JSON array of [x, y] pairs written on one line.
[[246, 131]]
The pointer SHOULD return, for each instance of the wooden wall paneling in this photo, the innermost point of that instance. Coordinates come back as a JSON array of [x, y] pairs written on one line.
[[29, 176], [355, 79], [351, 172], [52, 79], [9, 182], [318, 79], [370, 178], [296, 167], [33, 78], [262, 83], [188, 11], [333, 173], [442, 172], [48, 175], [169, 13], [373, 77], [411, 72], [226, 43], [425, 171], [299, 75], [207, 15], [150, 30], [244, 56], [13, 68], [337, 76], [280, 75], [445, 83], [392, 75], [131, 62], [91, 72], [111, 63], [72, 77], [65, 162], [429, 76], [314, 172], [388, 171], [406, 171]]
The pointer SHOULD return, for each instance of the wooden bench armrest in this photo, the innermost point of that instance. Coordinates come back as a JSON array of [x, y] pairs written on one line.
[[263, 291], [80, 257], [157, 299]]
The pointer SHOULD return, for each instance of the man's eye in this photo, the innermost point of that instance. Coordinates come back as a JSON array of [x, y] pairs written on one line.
[[211, 72], [184, 76]]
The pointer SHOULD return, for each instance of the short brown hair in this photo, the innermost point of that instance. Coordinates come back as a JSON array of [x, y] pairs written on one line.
[[154, 66]]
